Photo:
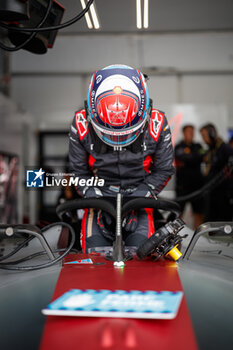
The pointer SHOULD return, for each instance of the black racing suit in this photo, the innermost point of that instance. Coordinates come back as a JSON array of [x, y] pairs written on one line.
[[149, 161]]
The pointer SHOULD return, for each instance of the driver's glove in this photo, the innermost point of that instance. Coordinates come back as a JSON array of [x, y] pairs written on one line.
[[143, 190], [130, 222], [104, 221], [92, 192]]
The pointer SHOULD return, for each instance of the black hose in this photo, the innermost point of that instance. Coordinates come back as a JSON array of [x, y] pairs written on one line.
[[35, 255], [20, 246], [59, 26], [34, 228], [215, 181], [8, 266]]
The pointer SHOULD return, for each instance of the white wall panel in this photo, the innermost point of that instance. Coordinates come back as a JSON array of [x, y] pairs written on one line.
[[51, 100], [86, 53], [52, 97], [209, 51], [209, 89], [163, 90], [79, 54]]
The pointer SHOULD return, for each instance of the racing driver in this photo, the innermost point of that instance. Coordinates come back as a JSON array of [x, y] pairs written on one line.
[[119, 138]]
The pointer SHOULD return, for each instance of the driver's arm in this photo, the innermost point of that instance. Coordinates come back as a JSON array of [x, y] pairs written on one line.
[[162, 168], [78, 159]]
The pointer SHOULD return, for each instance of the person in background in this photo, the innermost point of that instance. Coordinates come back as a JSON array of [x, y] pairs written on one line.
[[231, 141], [188, 158], [218, 160]]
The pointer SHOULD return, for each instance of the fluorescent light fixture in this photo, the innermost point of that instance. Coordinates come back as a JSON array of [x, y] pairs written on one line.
[[87, 17], [139, 14], [94, 16], [92, 21], [146, 14]]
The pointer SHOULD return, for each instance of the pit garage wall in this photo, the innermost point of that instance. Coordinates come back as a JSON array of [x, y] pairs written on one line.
[[184, 68], [189, 70]]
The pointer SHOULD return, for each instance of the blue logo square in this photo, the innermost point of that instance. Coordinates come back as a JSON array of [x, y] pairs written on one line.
[[35, 178]]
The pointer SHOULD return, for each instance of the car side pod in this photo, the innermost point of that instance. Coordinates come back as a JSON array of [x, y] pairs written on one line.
[[213, 229]]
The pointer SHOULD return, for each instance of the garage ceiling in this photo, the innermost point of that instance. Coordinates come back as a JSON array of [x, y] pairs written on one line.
[[119, 16]]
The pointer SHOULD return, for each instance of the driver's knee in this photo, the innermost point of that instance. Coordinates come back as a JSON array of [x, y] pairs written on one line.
[[135, 240], [95, 242]]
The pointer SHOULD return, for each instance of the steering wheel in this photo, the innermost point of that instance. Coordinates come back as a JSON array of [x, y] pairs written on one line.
[[107, 206], [132, 204]]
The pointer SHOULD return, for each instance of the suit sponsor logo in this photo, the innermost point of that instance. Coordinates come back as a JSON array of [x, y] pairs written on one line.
[[155, 126], [81, 124]]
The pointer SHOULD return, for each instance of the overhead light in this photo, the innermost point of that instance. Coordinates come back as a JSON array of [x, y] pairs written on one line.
[[94, 16], [145, 14], [87, 17], [139, 14], [92, 21]]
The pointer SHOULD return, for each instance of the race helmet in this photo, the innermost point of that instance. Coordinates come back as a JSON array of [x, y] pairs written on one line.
[[118, 104]]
